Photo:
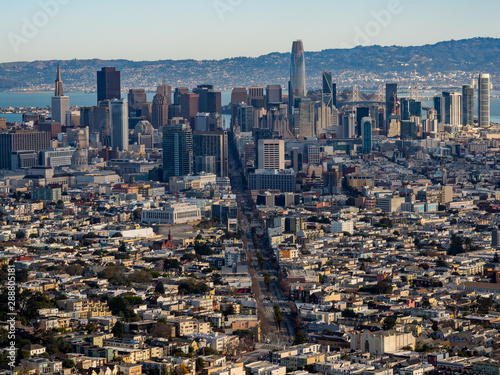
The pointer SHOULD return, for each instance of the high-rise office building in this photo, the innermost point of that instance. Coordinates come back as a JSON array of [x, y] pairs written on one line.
[[59, 102], [209, 100], [276, 119], [445, 107], [274, 94], [375, 115], [190, 107], [408, 129], [178, 92], [297, 73], [212, 143], [329, 90], [324, 118], [348, 125], [166, 90], [159, 111], [361, 112], [304, 116], [96, 118], [483, 91], [118, 111], [332, 181], [60, 105], [208, 121], [244, 117], [256, 97], [108, 84], [366, 134], [21, 141], [271, 154], [410, 108], [59, 83], [136, 98], [391, 98], [239, 95], [437, 108], [468, 105], [455, 108], [450, 111], [177, 151], [204, 164]]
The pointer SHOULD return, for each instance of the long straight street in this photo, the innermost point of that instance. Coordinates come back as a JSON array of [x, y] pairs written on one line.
[[266, 298]]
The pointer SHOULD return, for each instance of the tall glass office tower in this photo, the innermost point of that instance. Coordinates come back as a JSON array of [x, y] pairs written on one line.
[[483, 90], [297, 72], [468, 105], [329, 92]]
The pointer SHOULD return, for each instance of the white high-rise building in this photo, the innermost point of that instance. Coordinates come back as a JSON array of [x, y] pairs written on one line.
[[455, 108], [118, 110], [60, 105], [271, 154], [349, 125], [483, 90]]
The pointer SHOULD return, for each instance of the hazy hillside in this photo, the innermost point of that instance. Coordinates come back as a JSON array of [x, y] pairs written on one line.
[[471, 55]]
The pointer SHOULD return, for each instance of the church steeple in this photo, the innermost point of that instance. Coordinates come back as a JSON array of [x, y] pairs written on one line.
[[59, 83]]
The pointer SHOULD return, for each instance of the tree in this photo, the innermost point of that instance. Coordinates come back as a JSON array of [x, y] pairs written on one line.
[[91, 328], [441, 262], [20, 235], [435, 326], [140, 276], [160, 329], [159, 288], [456, 245], [68, 363], [122, 307], [267, 280], [349, 313], [300, 337], [200, 363], [117, 330], [278, 315], [389, 323], [217, 279], [496, 258], [116, 235], [122, 248], [202, 248]]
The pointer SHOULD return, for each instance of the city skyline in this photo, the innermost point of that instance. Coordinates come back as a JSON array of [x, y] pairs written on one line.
[[36, 30]]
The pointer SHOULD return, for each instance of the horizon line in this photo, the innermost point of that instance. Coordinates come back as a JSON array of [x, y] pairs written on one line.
[[252, 57]]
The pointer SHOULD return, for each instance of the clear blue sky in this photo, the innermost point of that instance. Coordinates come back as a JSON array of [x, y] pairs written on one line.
[[215, 29]]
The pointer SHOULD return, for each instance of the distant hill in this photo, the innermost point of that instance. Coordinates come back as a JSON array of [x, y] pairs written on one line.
[[349, 66]]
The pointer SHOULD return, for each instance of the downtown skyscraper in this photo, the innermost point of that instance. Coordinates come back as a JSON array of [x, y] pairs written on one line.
[[118, 110], [329, 90], [177, 151], [59, 102], [483, 90], [108, 84], [468, 105], [297, 84], [391, 98]]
